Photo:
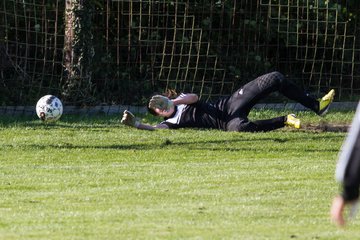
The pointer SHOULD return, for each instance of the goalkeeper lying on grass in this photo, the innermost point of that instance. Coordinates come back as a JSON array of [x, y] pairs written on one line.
[[230, 113]]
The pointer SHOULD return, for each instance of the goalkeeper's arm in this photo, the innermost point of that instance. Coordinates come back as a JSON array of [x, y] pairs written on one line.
[[130, 120], [188, 98], [143, 126], [165, 104]]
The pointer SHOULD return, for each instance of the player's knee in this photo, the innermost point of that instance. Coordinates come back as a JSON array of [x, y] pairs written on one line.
[[271, 82], [278, 77], [278, 80], [232, 125], [239, 125]]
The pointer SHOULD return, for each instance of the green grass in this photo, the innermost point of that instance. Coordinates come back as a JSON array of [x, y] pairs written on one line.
[[92, 178]]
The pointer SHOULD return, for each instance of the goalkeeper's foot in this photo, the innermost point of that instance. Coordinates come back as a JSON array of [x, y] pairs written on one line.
[[292, 121], [325, 102]]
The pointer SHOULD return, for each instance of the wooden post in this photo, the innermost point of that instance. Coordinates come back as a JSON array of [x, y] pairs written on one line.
[[78, 52], [69, 38]]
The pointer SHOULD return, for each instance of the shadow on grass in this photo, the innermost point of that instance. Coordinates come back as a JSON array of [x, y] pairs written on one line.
[[104, 121], [245, 144], [85, 122]]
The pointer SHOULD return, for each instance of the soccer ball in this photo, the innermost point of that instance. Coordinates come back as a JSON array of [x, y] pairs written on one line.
[[49, 108]]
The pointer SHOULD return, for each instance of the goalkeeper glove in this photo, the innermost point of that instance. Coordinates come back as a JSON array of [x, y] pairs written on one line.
[[160, 102], [129, 119]]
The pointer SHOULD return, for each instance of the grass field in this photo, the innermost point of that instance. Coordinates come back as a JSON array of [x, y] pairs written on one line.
[[92, 178]]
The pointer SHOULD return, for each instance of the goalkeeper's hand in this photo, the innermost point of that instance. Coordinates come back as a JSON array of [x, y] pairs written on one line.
[[129, 119], [160, 102]]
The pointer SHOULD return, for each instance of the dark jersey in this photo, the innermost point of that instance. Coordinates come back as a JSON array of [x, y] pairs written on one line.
[[198, 115]]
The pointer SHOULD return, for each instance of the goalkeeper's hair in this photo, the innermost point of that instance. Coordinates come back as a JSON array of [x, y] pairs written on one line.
[[169, 93], [151, 111]]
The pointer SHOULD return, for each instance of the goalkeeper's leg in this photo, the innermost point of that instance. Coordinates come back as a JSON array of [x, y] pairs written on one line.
[[243, 125], [242, 101]]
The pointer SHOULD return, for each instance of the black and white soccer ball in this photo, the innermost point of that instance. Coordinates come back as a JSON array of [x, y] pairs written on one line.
[[49, 108]]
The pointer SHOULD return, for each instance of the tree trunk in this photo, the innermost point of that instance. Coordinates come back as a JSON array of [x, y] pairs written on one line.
[[78, 52]]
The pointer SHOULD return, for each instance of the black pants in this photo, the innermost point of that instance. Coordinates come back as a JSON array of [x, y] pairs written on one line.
[[244, 99]]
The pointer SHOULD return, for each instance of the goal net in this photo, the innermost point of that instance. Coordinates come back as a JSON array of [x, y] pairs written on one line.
[[31, 44], [138, 47]]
